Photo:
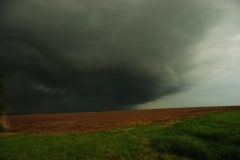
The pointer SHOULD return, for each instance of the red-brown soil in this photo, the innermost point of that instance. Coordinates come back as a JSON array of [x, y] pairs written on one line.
[[93, 121]]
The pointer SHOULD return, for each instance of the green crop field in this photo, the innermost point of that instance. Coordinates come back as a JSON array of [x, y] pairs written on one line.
[[210, 137]]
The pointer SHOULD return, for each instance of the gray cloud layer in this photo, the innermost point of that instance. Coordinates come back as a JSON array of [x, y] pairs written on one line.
[[81, 55]]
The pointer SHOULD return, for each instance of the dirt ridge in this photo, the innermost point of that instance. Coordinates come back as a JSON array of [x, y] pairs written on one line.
[[85, 122]]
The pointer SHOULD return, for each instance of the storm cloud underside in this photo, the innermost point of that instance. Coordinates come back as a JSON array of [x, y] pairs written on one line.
[[65, 56]]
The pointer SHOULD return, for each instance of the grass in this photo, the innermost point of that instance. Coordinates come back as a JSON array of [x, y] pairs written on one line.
[[215, 136]]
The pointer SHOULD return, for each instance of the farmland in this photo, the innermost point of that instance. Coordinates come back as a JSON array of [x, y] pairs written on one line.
[[86, 122], [214, 136]]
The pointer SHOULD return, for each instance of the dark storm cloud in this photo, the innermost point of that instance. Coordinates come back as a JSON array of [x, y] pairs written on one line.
[[81, 55]]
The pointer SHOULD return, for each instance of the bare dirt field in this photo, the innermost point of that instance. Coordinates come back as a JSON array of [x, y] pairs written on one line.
[[93, 121]]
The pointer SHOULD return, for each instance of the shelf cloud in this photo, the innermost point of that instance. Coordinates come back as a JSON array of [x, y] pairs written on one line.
[[91, 55]]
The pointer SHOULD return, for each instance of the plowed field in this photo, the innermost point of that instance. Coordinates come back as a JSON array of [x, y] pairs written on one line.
[[92, 121]]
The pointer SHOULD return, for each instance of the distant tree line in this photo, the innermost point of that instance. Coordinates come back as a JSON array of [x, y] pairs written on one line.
[[1, 94], [1, 103]]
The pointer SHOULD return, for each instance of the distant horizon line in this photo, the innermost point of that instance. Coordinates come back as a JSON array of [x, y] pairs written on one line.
[[122, 110]]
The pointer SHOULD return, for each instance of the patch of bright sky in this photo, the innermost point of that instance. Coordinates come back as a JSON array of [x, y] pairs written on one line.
[[218, 58]]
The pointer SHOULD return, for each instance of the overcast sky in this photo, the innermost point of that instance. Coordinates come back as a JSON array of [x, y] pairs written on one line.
[[82, 55]]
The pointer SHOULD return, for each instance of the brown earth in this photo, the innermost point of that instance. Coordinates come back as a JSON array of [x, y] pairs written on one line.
[[93, 121]]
